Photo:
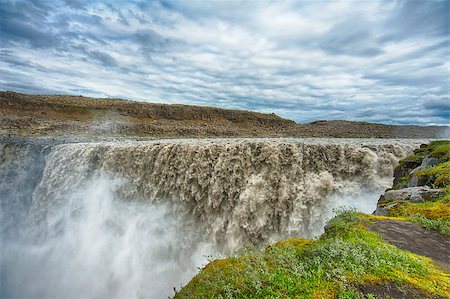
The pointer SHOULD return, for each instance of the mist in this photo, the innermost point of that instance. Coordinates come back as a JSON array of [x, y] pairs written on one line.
[[96, 245]]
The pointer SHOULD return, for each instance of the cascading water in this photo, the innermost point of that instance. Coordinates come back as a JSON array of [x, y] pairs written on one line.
[[134, 219], [97, 246]]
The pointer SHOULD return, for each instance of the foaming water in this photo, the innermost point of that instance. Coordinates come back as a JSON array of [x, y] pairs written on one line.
[[135, 219], [98, 246]]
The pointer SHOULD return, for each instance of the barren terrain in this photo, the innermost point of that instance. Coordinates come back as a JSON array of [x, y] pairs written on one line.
[[45, 115]]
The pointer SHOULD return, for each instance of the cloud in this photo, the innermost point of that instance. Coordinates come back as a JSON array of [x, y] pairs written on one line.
[[413, 18], [23, 22], [352, 37], [102, 57], [378, 61], [438, 107]]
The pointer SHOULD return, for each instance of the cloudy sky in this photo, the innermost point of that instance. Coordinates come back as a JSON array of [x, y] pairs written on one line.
[[378, 61]]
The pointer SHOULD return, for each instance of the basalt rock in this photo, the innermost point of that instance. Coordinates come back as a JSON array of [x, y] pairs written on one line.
[[393, 198], [412, 194], [404, 168], [414, 179], [384, 210]]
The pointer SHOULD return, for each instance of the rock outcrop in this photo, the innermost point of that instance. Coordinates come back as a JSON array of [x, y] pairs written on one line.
[[414, 177], [412, 194], [391, 198], [413, 181]]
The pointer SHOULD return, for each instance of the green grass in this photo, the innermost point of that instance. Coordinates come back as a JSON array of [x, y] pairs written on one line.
[[345, 256], [434, 215], [437, 149], [440, 225], [440, 149], [439, 174]]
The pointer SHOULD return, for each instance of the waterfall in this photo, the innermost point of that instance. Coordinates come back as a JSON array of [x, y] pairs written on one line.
[[135, 218]]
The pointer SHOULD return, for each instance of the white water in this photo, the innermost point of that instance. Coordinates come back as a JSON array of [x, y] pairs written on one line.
[[135, 219], [97, 246]]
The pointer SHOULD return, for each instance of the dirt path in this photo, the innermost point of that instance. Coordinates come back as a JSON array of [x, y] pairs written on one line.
[[393, 291], [414, 238]]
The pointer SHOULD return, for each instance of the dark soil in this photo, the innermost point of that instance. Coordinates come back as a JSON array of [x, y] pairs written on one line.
[[414, 238]]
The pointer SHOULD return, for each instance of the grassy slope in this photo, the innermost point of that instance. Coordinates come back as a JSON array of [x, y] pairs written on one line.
[[345, 257]]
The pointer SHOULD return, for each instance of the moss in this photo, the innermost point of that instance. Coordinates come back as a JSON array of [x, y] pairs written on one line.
[[433, 214], [293, 242], [439, 209], [403, 183], [440, 149], [412, 158], [347, 255], [439, 174], [446, 197]]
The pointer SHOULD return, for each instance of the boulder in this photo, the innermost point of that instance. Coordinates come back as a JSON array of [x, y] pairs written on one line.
[[404, 168], [418, 180], [412, 194], [415, 180], [383, 211], [428, 162]]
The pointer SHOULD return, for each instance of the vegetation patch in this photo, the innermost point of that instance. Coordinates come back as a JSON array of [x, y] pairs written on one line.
[[433, 214], [403, 183], [439, 175], [440, 225], [437, 149], [439, 209], [440, 149], [346, 256]]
